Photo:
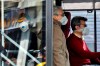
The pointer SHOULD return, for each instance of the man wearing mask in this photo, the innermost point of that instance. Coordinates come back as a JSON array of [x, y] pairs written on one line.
[[79, 53], [60, 52]]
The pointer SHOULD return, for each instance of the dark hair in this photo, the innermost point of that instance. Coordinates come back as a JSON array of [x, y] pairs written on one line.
[[22, 15], [76, 21]]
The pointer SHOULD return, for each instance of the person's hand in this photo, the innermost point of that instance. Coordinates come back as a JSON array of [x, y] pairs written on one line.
[[96, 61]]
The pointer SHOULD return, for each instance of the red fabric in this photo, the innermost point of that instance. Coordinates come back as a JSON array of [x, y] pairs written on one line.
[[66, 28], [79, 53]]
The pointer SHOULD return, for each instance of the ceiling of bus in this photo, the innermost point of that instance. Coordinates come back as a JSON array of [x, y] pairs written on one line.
[[81, 4]]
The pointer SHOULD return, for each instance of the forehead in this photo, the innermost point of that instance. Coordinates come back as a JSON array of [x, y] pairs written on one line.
[[60, 11]]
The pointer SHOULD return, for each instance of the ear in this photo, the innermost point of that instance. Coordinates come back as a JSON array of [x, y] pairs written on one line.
[[77, 27]]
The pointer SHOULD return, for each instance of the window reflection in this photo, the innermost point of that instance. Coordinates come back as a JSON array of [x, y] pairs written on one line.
[[24, 27]]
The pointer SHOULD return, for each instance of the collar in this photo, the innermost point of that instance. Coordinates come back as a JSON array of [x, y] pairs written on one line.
[[76, 36], [56, 22]]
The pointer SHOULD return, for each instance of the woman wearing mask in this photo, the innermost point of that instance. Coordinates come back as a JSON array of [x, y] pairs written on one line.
[[79, 53]]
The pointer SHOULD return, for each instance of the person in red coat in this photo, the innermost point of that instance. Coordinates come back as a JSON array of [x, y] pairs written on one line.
[[79, 53]]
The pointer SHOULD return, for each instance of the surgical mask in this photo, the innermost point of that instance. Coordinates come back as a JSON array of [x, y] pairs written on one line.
[[85, 31], [24, 26], [64, 20]]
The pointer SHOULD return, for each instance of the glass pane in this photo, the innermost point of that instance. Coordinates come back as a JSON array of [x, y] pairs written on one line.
[[98, 30], [24, 32]]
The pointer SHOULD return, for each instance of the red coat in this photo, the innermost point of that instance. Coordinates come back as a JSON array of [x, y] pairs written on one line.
[[79, 53]]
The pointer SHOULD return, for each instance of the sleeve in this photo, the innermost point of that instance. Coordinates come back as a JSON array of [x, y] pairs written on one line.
[[95, 61], [66, 28], [77, 47], [58, 58]]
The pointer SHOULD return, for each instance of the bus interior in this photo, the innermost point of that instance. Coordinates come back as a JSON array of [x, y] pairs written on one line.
[[26, 30]]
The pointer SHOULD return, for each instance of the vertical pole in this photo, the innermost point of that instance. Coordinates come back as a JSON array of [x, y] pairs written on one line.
[[49, 32], [95, 28], [2, 20], [2, 24], [95, 32]]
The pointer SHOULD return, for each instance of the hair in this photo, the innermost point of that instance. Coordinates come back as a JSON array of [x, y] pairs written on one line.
[[22, 15], [56, 9], [76, 21]]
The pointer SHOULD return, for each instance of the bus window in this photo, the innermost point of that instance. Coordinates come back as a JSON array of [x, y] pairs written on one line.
[[24, 33]]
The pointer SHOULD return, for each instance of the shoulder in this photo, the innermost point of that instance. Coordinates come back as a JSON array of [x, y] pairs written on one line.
[[72, 38]]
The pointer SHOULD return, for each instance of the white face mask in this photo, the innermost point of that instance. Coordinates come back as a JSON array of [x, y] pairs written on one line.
[[64, 20], [85, 31], [24, 26]]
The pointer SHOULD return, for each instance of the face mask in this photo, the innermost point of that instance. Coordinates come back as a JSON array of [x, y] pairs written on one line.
[[85, 31], [64, 20], [24, 26]]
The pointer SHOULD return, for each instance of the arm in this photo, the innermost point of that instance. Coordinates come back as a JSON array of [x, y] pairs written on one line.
[[95, 61], [66, 28], [81, 49]]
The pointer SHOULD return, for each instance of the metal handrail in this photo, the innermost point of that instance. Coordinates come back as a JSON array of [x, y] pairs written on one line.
[[17, 45], [3, 56]]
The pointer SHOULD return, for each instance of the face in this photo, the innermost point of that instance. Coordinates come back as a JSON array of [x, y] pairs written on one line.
[[82, 25], [59, 16]]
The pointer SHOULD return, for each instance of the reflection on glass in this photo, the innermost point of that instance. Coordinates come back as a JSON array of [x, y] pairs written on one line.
[[24, 34]]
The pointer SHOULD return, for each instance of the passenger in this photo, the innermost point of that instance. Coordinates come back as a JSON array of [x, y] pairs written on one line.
[[60, 52], [79, 53]]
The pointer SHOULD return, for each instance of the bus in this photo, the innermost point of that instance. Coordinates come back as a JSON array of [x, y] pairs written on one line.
[[26, 37]]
